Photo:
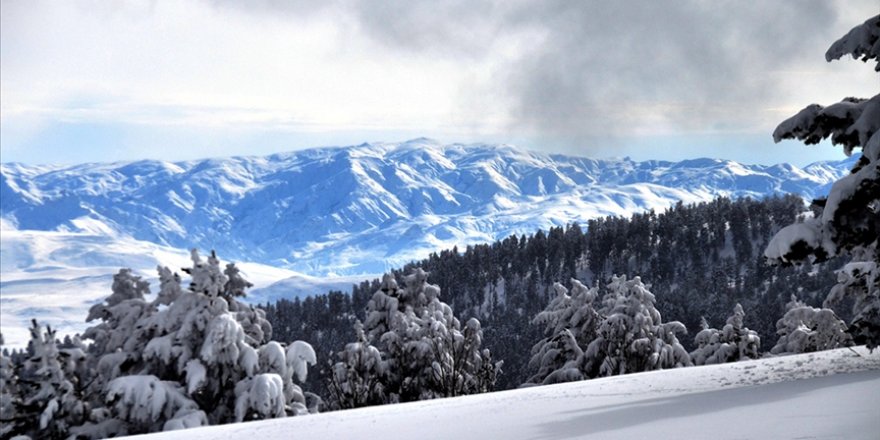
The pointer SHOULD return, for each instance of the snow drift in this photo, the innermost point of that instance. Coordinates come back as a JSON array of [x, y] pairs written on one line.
[[830, 394]]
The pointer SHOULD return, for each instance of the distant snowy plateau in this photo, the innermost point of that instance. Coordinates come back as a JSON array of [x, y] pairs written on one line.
[[825, 395], [320, 218]]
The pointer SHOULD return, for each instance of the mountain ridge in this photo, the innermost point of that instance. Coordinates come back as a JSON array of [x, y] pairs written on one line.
[[362, 209]]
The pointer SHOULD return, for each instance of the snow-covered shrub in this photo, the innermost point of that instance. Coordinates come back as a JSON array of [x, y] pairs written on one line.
[[570, 322], [632, 337], [849, 222], [411, 348], [805, 329], [287, 364], [734, 342], [260, 397]]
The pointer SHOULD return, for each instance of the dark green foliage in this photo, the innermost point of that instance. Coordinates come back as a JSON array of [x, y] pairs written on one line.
[[699, 260]]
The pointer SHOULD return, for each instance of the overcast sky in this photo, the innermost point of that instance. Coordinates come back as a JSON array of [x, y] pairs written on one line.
[[96, 81]]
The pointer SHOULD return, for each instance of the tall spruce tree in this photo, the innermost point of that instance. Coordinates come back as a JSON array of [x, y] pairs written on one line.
[[424, 351], [848, 222], [570, 322], [632, 337]]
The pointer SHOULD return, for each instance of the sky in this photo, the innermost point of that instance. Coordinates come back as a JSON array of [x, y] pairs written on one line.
[[85, 81]]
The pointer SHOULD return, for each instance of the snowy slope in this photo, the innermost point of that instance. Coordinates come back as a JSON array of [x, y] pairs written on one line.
[[827, 395], [55, 276], [363, 209]]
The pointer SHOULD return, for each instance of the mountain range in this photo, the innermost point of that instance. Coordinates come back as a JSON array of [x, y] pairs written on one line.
[[304, 222], [362, 209]]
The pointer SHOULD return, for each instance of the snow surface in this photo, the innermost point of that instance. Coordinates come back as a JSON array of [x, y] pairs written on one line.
[[826, 395]]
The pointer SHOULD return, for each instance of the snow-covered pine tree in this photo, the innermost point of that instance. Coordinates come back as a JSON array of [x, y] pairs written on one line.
[[631, 337], [734, 342], [10, 398], [51, 402], [805, 329], [425, 352], [118, 340], [459, 365], [570, 322], [859, 283], [708, 342], [849, 222], [356, 380], [191, 357], [273, 393]]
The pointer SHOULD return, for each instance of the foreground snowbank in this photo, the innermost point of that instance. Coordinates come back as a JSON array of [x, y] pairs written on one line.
[[832, 394]]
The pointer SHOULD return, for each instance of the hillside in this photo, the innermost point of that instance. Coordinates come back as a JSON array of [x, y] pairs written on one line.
[[700, 260], [831, 394]]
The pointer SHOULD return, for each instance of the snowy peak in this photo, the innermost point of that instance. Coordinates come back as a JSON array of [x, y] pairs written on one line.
[[359, 209]]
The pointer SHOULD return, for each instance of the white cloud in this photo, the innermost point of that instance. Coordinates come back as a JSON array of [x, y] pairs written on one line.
[[505, 70], [190, 63]]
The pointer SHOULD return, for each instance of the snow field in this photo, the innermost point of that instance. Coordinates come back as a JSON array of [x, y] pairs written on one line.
[[55, 276], [825, 395]]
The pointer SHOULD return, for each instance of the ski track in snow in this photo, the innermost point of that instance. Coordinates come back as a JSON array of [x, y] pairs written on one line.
[[827, 395]]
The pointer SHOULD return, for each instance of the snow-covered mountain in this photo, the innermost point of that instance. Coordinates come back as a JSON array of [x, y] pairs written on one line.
[[362, 209], [55, 276]]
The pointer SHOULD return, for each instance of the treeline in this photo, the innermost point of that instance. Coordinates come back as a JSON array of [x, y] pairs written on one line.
[[551, 307], [699, 260]]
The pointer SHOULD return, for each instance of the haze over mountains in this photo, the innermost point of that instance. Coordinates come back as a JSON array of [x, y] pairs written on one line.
[[362, 209]]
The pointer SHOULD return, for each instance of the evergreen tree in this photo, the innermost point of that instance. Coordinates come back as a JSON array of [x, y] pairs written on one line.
[[11, 421], [632, 337], [734, 342], [51, 403], [356, 380], [190, 357], [848, 222], [425, 352], [805, 329], [570, 322], [118, 340]]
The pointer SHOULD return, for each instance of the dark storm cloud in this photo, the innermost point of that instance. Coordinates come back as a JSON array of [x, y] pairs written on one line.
[[605, 65], [606, 68]]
